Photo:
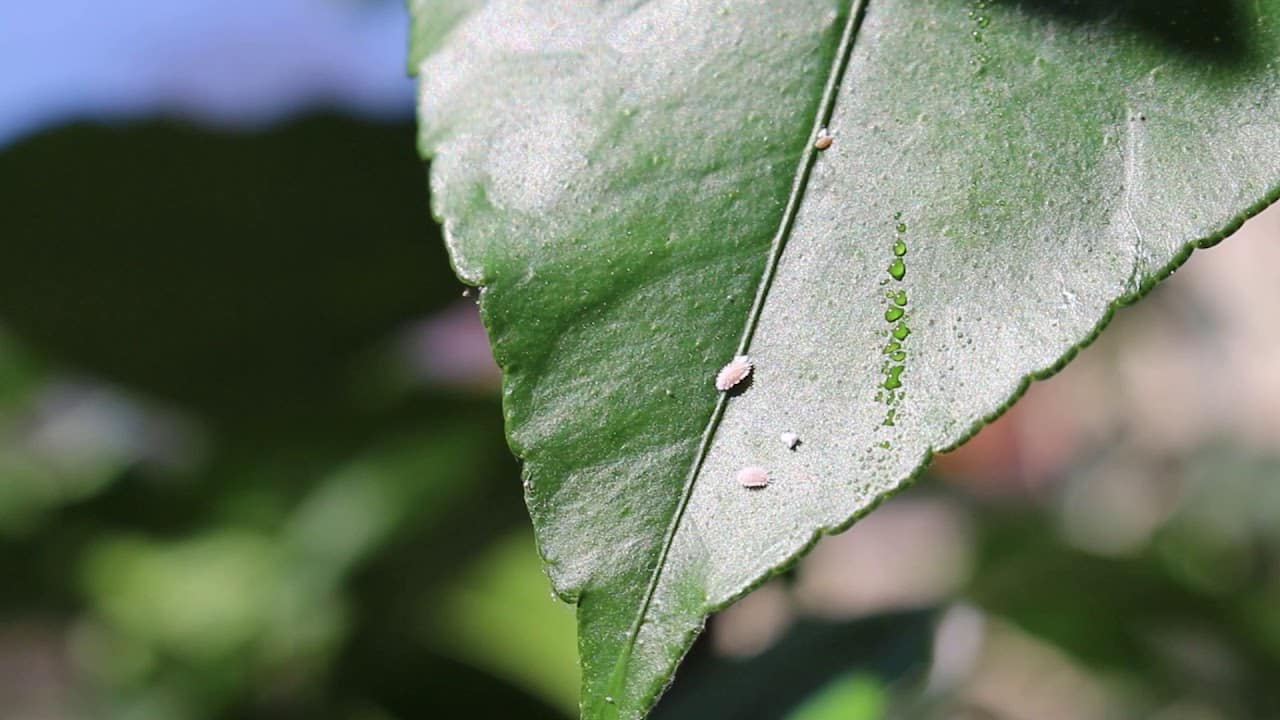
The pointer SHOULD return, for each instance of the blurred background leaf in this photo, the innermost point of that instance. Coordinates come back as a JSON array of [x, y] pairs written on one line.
[[817, 670]]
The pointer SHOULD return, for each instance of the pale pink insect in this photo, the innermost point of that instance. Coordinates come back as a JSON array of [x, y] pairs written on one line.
[[735, 372], [753, 477], [825, 138]]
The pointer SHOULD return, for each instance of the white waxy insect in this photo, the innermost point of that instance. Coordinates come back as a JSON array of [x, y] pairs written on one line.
[[736, 371], [824, 139], [790, 439], [753, 477]]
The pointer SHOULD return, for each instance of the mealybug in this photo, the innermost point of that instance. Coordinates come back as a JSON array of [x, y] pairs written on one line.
[[735, 372], [753, 477]]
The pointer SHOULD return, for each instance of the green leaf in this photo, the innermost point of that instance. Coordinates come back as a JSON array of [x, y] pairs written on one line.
[[635, 188]]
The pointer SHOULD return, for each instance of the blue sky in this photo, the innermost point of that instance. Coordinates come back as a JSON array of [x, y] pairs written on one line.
[[240, 63]]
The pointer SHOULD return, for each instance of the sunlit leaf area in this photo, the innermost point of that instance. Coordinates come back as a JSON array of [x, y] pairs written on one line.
[[253, 464]]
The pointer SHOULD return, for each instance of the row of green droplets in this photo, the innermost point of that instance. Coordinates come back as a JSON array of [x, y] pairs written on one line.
[[981, 20], [896, 314]]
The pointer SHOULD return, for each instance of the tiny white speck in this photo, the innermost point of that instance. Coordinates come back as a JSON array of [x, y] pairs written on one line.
[[735, 372], [790, 439], [824, 139], [753, 476]]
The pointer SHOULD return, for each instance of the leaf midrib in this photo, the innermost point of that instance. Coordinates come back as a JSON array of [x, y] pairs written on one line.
[[826, 107]]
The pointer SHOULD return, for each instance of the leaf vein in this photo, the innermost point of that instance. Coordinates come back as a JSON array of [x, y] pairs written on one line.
[[826, 108]]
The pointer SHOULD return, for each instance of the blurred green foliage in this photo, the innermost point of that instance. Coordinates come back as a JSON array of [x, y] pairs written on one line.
[[854, 697], [217, 472], [818, 668], [1189, 615]]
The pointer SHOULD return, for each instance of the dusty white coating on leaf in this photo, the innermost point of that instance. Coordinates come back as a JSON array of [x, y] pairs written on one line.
[[992, 255], [529, 165]]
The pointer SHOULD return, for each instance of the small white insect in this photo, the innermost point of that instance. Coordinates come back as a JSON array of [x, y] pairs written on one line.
[[824, 140], [736, 371], [790, 439], [753, 477]]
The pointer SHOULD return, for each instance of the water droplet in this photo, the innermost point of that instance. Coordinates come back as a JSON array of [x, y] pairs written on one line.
[[899, 248], [900, 297], [898, 269], [894, 314], [894, 380], [901, 331], [902, 227]]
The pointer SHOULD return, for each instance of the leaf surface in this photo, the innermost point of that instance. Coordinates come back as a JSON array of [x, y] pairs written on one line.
[[636, 189]]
